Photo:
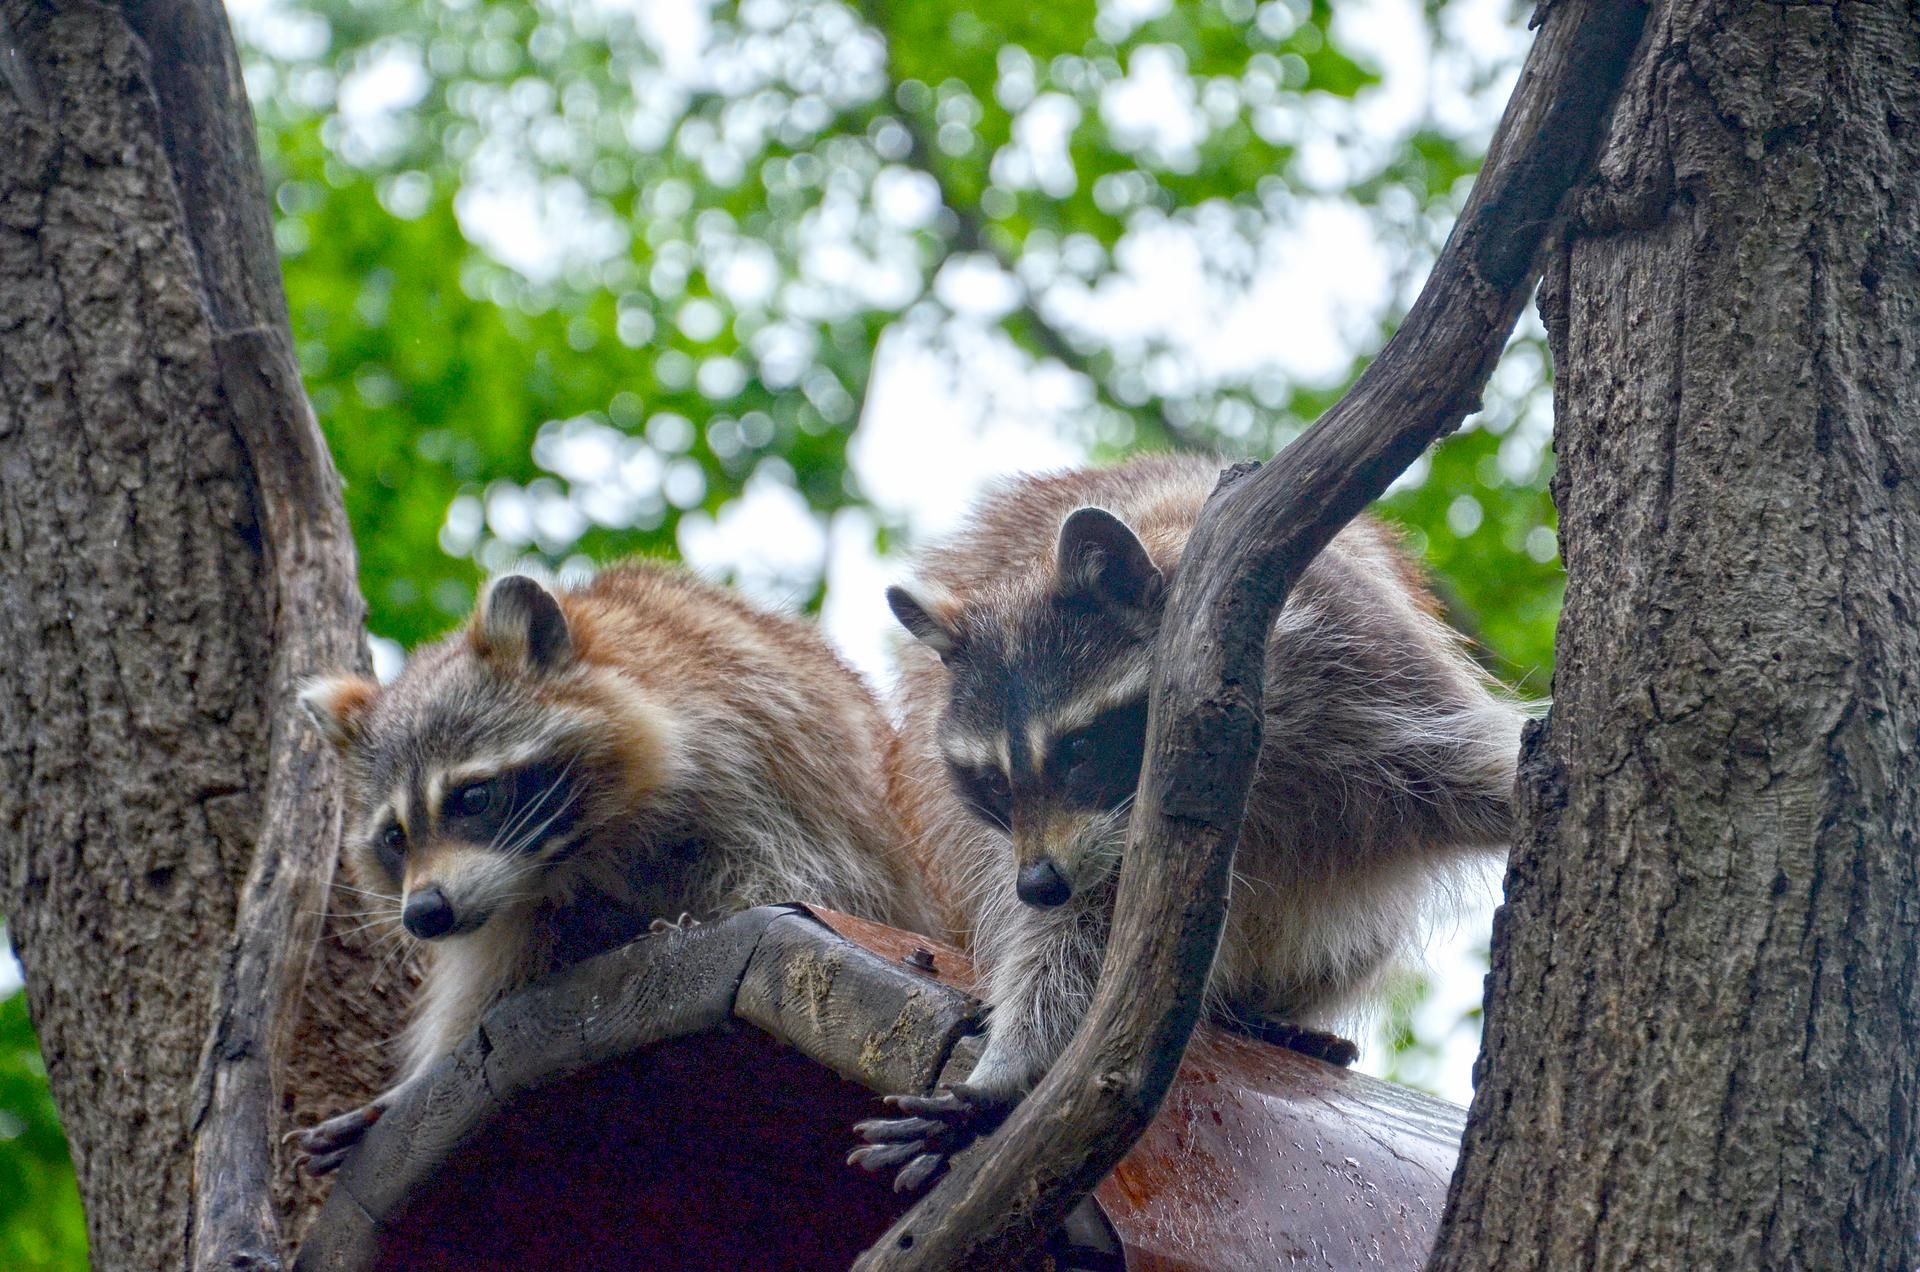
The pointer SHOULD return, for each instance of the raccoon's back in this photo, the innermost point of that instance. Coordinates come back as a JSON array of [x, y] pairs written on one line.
[[792, 757]]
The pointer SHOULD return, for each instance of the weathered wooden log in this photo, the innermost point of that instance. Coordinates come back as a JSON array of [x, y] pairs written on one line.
[[686, 1102]]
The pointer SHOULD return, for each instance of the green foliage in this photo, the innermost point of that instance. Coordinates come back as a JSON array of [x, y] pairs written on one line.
[[712, 225], [664, 310], [1490, 540], [41, 1226]]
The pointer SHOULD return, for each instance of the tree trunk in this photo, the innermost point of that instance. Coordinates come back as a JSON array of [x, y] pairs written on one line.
[[176, 557], [1701, 1019]]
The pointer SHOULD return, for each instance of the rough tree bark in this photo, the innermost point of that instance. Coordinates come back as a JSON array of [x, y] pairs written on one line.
[[1254, 537], [1702, 1015], [176, 556]]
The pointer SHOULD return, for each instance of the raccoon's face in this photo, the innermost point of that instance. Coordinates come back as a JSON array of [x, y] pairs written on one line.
[[1045, 728], [489, 760], [461, 841]]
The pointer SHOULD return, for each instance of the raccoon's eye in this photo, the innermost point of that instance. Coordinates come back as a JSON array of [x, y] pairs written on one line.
[[475, 799], [390, 848], [1099, 766], [989, 793]]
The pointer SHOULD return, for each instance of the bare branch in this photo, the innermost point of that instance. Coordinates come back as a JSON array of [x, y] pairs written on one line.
[[1253, 540]]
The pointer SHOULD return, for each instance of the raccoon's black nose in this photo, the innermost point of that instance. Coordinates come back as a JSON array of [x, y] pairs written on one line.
[[428, 914], [1042, 884]]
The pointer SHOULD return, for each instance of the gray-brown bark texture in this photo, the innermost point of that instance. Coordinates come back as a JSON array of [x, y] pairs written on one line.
[[176, 557], [1702, 1016]]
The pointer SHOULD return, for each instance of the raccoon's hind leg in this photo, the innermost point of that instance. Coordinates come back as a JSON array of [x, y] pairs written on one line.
[[1318, 1043]]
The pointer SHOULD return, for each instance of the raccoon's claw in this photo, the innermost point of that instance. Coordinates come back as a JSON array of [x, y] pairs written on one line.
[[680, 924], [325, 1163], [322, 1147], [918, 1173], [875, 1158], [935, 1128]]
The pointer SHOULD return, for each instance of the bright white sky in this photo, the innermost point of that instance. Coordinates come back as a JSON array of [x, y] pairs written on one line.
[[923, 449]]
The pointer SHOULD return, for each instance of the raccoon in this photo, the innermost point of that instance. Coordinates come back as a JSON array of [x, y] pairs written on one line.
[[1388, 759], [577, 764]]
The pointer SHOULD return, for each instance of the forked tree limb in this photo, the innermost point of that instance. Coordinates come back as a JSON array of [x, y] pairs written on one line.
[[1253, 540], [241, 1107], [316, 615], [150, 319]]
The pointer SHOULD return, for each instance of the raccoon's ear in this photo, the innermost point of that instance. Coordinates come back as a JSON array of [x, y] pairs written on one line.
[[1100, 557], [339, 705], [920, 622], [519, 620]]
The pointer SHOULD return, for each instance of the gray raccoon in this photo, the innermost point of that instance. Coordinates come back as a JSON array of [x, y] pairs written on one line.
[[577, 764], [1388, 759]]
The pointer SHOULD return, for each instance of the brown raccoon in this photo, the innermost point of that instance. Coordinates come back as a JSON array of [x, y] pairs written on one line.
[[576, 764], [1388, 757]]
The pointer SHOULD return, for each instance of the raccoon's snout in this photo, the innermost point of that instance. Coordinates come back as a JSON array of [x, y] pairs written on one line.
[[428, 914], [1041, 884]]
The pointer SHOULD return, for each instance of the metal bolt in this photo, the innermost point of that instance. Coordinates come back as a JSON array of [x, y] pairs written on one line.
[[920, 960]]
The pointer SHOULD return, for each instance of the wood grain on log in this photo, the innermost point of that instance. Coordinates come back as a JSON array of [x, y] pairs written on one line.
[[1252, 541]]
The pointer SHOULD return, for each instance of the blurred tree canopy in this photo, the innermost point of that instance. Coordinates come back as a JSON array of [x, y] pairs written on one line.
[[571, 276], [565, 273]]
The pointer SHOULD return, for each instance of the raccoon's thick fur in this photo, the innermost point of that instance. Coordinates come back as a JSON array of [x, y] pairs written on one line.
[[1388, 755], [577, 763]]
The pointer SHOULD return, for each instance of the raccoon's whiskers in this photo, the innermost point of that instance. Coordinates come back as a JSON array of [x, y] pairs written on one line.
[[365, 892], [371, 923], [511, 826], [532, 836], [392, 951], [509, 839]]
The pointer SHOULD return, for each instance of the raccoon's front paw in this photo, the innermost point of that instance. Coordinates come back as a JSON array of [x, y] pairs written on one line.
[[935, 1128], [680, 924], [322, 1147]]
